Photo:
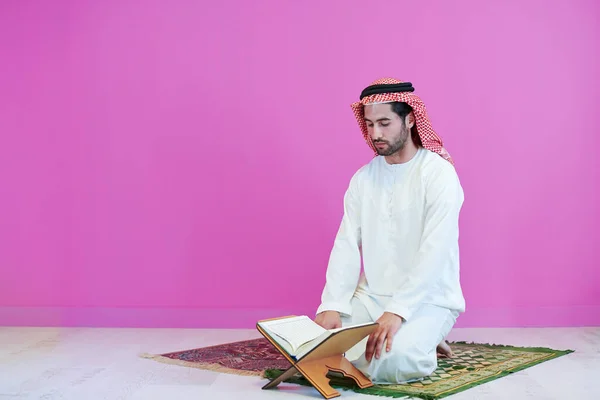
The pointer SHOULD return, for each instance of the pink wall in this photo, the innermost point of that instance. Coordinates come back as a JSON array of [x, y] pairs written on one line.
[[183, 163]]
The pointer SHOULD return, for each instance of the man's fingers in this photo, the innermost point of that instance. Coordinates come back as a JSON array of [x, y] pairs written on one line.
[[370, 346], [371, 343], [380, 340], [376, 342], [390, 339], [329, 320]]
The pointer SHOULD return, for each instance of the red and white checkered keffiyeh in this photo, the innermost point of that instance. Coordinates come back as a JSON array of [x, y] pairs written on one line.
[[430, 139]]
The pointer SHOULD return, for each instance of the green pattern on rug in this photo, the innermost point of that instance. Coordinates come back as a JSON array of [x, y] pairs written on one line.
[[472, 365]]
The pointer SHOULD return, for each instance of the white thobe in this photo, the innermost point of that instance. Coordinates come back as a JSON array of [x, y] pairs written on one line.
[[402, 219]]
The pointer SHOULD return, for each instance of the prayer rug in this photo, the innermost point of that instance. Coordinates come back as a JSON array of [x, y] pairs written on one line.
[[472, 365]]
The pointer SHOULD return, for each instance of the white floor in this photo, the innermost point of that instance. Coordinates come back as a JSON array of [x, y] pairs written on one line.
[[88, 364]]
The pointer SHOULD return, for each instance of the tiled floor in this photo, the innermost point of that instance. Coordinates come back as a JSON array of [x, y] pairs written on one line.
[[88, 364]]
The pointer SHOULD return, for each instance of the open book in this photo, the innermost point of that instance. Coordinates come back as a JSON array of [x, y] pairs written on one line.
[[299, 335]]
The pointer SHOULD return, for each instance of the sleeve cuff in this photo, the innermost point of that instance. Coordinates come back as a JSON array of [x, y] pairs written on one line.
[[404, 312], [345, 309]]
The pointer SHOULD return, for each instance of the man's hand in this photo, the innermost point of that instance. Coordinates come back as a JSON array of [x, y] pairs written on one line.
[[388, 326], [329, 319]]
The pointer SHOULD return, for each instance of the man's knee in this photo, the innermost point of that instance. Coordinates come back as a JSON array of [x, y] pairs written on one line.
[[406, 363]]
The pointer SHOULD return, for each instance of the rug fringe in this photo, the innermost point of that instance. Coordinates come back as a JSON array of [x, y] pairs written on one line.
[[200, 365], [511, 347]]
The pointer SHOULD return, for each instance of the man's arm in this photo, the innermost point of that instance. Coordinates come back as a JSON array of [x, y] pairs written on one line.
[[444, 198], [343, 270]]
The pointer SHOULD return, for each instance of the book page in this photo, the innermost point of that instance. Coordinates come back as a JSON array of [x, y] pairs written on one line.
[[308, 346], [296, 330]]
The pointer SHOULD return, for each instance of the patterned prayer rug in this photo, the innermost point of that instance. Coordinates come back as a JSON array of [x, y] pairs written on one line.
[[472, 365]]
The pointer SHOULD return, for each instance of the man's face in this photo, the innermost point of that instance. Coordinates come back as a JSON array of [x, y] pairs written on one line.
[[387, 130]]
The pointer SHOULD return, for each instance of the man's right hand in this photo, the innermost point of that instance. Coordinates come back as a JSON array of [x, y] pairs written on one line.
[[329, 319]]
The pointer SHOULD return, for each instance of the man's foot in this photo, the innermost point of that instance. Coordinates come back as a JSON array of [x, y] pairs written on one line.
[[444, 350]]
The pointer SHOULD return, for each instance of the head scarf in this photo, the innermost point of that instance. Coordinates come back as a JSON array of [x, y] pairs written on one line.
[[388, 90]]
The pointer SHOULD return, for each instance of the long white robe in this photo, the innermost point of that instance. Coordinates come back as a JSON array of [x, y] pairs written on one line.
[[413, 354], [402, 219]]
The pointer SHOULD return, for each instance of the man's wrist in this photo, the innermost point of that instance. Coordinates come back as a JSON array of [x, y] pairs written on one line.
[[402, 311], [329, 311], [395, 315]]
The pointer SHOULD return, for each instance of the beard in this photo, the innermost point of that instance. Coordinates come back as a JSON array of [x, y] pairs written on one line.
[[393, 146]]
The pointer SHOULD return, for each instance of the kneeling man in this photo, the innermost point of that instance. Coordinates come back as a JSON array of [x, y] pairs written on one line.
[[401, 213]]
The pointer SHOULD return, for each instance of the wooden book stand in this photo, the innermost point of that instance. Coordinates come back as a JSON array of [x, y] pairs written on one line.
[[327, 356]]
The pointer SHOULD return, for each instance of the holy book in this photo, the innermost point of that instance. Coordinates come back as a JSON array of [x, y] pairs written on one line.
[[298, 335]]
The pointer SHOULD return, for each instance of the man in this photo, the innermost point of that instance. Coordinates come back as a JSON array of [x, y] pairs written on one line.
[[401, 214]]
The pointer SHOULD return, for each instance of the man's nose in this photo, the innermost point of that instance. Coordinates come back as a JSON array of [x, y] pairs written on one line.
[[376, 135]]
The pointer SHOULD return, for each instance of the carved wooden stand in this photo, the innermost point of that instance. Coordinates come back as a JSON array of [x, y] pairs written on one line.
[[328, 356]]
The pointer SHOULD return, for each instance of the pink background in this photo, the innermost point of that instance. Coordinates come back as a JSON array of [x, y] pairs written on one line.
[[182, 163]]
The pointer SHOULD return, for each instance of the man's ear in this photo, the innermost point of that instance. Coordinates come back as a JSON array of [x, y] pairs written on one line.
[[410, 120]]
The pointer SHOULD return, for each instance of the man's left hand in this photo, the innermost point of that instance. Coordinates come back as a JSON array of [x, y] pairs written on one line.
[[388, 326]]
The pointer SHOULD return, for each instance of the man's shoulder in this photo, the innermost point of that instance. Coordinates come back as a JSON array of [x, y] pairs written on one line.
[[433, 166], [440, 176]]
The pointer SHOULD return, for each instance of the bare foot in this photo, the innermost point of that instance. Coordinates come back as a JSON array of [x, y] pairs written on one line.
[[444, 350]]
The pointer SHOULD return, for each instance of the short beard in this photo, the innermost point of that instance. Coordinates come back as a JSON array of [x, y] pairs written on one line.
[[395, 146]]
